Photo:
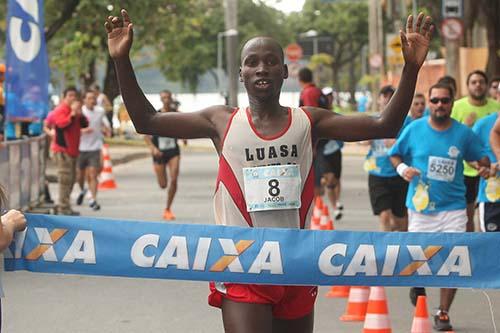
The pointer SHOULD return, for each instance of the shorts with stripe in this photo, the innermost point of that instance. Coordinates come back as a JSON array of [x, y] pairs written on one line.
[[288, 302]]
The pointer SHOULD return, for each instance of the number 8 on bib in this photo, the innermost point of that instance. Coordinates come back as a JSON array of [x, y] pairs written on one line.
[[272, 187]]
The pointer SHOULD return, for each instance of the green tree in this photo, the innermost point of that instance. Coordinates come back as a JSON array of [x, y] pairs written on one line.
[[177, 36], [346, 23], [186, 47]]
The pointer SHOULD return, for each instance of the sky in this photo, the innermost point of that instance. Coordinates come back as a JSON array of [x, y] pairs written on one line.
[[286, 6]]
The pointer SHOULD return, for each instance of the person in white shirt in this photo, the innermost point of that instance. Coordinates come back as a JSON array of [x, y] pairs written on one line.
[[89, 161]]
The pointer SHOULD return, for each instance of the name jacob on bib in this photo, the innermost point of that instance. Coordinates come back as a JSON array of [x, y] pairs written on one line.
[[272, 187]]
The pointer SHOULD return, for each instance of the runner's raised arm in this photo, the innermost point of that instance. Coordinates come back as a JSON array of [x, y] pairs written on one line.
[[146, 120], [415, 44]]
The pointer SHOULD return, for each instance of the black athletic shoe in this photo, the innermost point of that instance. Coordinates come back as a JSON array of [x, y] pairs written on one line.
[[79, 200], [95, 206], [414, 293], [442, 321]]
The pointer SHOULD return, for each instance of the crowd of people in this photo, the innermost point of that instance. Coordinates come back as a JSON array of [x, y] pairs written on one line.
[[77, 128], [439, 172]]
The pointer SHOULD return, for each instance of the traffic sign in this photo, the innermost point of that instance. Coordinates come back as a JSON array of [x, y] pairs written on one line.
[[452, 8], [394, 51], [293, 52], [452, 28]]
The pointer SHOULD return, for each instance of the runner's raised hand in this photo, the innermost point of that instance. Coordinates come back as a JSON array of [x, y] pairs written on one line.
[[120, 35], [415, 42]]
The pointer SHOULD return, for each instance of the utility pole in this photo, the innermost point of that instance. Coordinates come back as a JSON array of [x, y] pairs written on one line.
[[452, 29], [375, 47], [231, 23]]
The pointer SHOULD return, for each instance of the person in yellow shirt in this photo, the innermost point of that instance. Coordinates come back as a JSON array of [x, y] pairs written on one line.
[[468, 110]]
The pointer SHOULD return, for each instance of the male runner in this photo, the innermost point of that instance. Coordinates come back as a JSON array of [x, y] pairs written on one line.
[[436, 147], [495, 140], [468, 110], [386, 188], [417, 109], [91, 141], [324, 164], [166, 153], [104, 102], [489, 189], [259, 137], [493, 87]]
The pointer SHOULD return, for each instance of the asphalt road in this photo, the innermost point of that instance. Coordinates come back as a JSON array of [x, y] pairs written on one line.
[[57, 303]]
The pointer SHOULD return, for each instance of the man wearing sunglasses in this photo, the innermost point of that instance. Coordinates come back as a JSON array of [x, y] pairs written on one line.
[[436, 147], [468, 110]]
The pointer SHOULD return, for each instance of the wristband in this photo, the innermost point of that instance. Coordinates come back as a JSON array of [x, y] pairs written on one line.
[[401, 169]]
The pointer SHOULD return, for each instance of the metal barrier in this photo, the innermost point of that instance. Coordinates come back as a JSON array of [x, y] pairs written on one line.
[[22, 171]]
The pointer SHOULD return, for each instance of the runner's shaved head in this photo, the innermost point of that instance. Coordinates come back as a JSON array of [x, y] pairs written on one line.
[[260, 42]]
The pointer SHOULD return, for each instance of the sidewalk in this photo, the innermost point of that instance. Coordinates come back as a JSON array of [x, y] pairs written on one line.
[[124, 151], [350, 148]]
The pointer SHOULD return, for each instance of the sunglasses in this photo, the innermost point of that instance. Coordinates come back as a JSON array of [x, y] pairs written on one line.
[[444, 100]]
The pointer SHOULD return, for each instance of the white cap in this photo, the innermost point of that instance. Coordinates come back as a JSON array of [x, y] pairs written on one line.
[[327, 90]]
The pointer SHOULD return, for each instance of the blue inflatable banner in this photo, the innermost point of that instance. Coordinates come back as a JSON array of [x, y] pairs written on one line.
[[71, 245], [27, 75]]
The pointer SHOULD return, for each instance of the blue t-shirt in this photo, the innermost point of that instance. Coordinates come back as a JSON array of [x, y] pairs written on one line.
[[377, 161], [439, 156], [489, 189]]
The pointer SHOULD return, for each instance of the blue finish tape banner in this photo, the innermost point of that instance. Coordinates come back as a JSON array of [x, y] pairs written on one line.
[[27, 76], [71, 245]]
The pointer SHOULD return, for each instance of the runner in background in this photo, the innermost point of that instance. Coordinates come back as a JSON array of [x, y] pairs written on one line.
[[468, 110], [104, 102], [386, 188], [493, 88], [489, 189], [91, 141], [495, 140], [429, 155], [328, 156], [417, 109], [166, 154]]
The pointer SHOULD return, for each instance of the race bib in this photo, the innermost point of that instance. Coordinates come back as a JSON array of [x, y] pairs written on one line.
[[272, 187], [379, 148], [441, 168], [166, 143]]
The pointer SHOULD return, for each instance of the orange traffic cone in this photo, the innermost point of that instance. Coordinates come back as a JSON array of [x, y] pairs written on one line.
[[421, 322], [326, 222], [377, 314], [338, 292], [106, 179], [356, 304], [316, 216]]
